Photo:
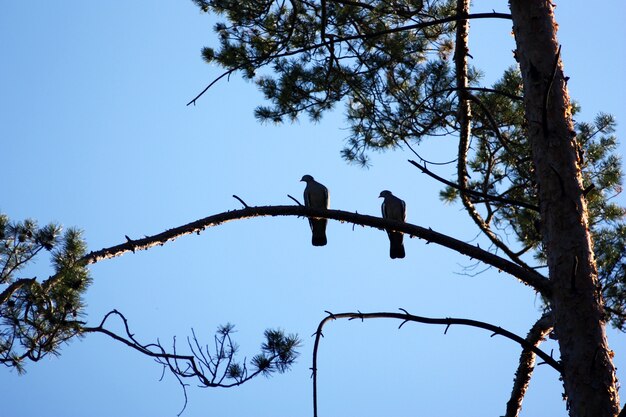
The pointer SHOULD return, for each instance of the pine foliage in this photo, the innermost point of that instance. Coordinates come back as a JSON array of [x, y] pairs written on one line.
[[389, 64], [38, 317]]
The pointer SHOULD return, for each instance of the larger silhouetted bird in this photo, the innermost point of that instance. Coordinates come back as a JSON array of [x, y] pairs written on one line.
[[316, 196], [394, 208]]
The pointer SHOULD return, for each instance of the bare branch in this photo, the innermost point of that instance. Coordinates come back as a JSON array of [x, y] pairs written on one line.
[[241, 201], [495, 91], [224, 74], [278, 354], [425, 161], [294, 199], [464, 116], [528, 276], [486, 196], [406, 317], [494, 126], [354, 3], [464, 111], [524, 372], [15, 286]]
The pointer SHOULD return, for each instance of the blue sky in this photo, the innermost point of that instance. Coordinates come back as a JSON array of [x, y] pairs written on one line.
[[94, 133]]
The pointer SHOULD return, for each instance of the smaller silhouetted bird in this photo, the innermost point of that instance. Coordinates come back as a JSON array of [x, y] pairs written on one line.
[[316, 196], [394, 208]]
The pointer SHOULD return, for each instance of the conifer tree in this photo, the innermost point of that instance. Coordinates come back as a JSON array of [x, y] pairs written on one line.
[[400, 68], [536, 184]]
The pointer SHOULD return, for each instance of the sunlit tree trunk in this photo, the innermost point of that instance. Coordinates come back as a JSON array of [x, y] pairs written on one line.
[[588, 371]]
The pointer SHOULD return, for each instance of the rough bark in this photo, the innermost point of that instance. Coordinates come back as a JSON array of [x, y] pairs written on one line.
[[588, 371], [526, 365]]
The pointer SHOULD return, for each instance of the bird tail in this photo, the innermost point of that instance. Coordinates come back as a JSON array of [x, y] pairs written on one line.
[[318, 227], [396, 246]]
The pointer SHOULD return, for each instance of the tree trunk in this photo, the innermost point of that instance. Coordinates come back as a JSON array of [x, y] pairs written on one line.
[[588, 371]]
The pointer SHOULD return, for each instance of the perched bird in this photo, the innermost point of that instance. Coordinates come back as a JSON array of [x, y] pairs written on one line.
[[316, 196], [394, 208]]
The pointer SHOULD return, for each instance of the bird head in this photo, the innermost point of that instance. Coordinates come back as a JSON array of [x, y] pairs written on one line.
[[385, 194], [307, 178]]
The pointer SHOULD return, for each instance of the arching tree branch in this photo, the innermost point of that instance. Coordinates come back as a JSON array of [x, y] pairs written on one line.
[[530, 277], [406, 317]]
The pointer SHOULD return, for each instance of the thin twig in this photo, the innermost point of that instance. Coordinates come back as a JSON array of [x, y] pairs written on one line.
[[226, 73], [486, 196], [241, 201], [260, 61], [494, 126], [425, 161], [294, 199]]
